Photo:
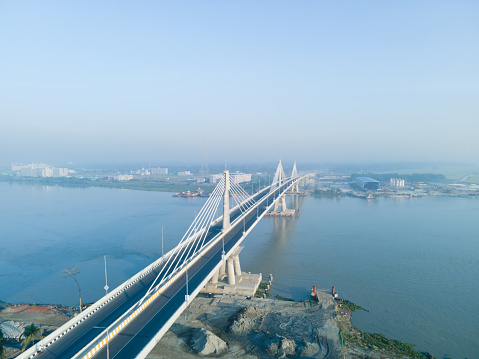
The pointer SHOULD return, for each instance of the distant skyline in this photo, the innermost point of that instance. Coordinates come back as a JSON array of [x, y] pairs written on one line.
[[311, 81]]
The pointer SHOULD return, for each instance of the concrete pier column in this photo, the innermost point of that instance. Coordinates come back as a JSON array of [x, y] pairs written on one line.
[[231, 272], [237, 265], [215, 277], [223, 268], [280, 203]]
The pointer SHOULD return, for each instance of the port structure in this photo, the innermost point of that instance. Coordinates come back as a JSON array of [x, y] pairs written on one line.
[[136, 314]]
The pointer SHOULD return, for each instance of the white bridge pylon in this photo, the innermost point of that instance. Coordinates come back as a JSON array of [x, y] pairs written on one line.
[[294, 174], [279, 176], [195, 238]]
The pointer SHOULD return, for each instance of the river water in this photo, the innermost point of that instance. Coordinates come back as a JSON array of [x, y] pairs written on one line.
[[413, 263]]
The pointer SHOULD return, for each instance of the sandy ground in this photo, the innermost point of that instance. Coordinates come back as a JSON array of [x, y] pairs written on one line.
[[250, 328], [46, 317]]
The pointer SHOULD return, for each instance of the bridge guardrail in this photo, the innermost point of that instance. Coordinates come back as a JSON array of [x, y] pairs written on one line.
[[79, 318], [114, 329], [175, 315], [57, 334], [101, 340]]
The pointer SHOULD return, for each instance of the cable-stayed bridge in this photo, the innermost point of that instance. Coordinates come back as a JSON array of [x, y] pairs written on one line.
[[130, 320]]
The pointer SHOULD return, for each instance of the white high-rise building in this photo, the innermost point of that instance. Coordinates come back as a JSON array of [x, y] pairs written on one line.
[[159, 171], [238, 177], [397, 182], [39, 170]]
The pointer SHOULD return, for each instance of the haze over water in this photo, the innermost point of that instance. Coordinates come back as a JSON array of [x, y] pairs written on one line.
[[411, 262]]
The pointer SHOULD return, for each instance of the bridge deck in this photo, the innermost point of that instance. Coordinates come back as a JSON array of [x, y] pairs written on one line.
[[136, 335]]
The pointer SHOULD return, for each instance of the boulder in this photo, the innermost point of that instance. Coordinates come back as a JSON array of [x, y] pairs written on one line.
[[272, 349], [309, 349], [242, 326], [280, 347], [205, 342], [287, 347], [252, 311], [245, 320]]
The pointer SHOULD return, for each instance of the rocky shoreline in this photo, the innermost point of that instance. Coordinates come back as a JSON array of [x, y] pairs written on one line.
[[237, 327]]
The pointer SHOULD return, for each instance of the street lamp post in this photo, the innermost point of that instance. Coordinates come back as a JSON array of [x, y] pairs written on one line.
[[107, 341], [187, 297], [106, 278]]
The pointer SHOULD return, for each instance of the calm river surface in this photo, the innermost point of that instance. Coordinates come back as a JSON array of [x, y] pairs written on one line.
[[413, 263]]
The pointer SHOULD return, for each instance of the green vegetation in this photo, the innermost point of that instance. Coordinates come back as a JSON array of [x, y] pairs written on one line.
[[158, 186], [452, 172], [31, 333], [350, 306], [410, 178], [2, 347], [263, 286], [259, 294], [261, 290], [379, 341], [280, 297], [76, 182], [355, 337]]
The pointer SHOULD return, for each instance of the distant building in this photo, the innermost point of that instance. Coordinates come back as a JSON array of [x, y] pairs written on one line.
[[238, 177], [142, 172], [159, 171], [215, 178], [123, 177], [39, 170], [397, 182], [60, 172], [184, 173], [367, 184]]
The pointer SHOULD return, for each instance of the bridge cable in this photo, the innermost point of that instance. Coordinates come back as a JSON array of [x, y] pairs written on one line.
[[243, 200], [208, 210], [199, 224], [183, 245]]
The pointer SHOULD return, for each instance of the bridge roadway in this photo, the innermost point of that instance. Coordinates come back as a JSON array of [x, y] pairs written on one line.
[[136, 335]]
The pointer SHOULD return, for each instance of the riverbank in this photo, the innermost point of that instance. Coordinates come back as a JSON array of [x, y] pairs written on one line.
[[77, 182], [236, 327]]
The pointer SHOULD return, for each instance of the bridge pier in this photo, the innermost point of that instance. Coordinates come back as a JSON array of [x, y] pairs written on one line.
[[281, 202], [215, 277], [231, 272], [296, 188], [280, 210], [234, 281], [223, 269], [237, 266]]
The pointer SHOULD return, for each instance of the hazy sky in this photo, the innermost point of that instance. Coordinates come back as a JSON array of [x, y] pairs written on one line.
[[254, 80]]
